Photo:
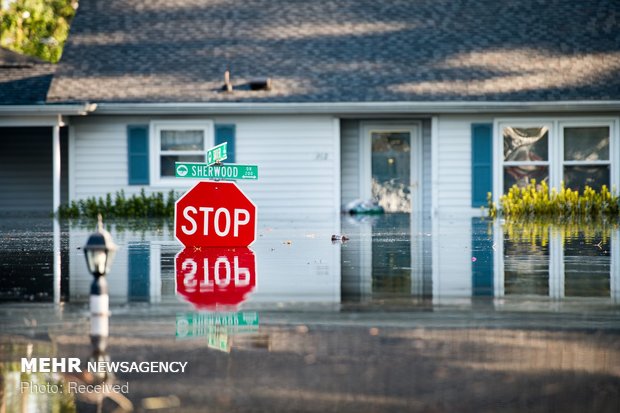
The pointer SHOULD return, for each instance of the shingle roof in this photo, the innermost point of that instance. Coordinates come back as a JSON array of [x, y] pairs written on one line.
[[24, 80], [342, 50]]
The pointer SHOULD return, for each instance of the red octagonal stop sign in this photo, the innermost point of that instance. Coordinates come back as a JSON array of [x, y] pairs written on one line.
[[215, 277], [215, 214]]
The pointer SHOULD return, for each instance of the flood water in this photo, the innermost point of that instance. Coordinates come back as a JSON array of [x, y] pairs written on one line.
[[408, 314]]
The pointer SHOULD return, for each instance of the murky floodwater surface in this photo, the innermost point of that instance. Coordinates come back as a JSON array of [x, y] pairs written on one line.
[[405, 315]]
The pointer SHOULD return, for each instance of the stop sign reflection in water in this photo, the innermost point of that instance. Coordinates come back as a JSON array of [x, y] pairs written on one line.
[[215, 277], [215, 214]]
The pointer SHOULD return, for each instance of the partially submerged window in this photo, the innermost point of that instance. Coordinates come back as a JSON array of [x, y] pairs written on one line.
[[586, 157], [526, 155], [573, 152]]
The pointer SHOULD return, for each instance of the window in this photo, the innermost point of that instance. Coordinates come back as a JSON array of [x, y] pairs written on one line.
[[526, 155], [391, 165], [586, 159], [574, 152], [178, 141], [390, 168]]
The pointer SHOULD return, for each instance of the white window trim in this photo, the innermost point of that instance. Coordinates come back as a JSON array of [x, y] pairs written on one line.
[[613, 147], [416, 175], [155, 153], [498, 148], [556, 149]]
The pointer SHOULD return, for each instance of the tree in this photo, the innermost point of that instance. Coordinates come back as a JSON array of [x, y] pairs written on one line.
[[36, 27]]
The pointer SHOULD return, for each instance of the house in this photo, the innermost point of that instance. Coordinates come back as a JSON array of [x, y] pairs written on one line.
[[436, 102]]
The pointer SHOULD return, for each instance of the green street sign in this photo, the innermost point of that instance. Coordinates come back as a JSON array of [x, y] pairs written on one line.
[[210, 324], [217, 154], [232, 171]]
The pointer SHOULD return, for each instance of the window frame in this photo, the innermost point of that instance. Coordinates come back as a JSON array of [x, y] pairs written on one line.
[[586, 124], [499, 162], [556, 147], [414, 128], [156, 127]]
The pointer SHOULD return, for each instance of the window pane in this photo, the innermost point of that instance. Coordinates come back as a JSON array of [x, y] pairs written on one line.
[[578, 176], [586, 144], [526, 144], [391, 170], [522, 175], [167, 162], [182, 140]]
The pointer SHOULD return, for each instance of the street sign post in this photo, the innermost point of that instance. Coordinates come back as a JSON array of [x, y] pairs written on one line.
[[215, 214], [197, 170], [215, 277], [217, 154]]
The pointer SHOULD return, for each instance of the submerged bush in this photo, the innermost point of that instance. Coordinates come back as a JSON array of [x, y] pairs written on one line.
[[137, 206], [535, 200]]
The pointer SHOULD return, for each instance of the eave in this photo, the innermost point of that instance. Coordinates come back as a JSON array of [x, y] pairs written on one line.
[[353, 108]]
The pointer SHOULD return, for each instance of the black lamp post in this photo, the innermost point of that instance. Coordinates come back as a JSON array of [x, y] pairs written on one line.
[[99, 251]]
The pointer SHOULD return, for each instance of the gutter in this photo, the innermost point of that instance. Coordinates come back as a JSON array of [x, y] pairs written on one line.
[[351, 108], [48, 110]]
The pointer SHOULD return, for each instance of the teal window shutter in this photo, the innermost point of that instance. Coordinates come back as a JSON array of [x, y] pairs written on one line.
[[481, 163], [226, 133], [138, 154]]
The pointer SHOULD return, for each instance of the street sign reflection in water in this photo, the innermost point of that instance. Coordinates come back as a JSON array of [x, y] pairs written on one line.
[[204, 324], [211, 278]]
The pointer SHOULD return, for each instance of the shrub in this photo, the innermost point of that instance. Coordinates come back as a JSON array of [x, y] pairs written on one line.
[[536, 201], [155, 205]]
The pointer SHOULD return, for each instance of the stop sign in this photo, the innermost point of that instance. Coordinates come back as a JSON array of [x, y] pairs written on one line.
[[212, 277], [215, 214]]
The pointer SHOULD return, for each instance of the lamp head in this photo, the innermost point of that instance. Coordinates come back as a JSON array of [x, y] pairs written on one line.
[[99, 250]]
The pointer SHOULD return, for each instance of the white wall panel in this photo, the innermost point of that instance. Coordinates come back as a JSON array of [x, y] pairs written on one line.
[[296, 156], [454, 158]]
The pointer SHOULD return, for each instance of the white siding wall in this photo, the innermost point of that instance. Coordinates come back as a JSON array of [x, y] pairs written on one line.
[[299, 164], [98, 158], [298, 159], [454, 163]]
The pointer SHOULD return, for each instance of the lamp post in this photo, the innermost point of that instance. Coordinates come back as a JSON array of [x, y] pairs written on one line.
[[99, 252]]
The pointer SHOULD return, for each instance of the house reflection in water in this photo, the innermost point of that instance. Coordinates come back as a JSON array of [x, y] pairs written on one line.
[[291, 266], [390, 260], [455, 261]]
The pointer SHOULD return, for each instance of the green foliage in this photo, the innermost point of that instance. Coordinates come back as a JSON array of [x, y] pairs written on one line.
[[537, 201], [155, 205], [37, 27]]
